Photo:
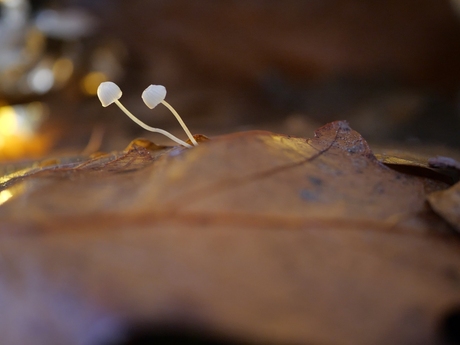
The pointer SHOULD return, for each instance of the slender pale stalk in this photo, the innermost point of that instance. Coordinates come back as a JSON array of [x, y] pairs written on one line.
[[169, 106], [152, 129]]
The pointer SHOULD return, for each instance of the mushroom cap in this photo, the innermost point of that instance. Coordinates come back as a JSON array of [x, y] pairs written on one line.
[[108, 92], [153, 95]]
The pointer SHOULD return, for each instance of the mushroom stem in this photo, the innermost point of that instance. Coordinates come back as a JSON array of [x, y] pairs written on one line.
[[169, 106], [152, 129]]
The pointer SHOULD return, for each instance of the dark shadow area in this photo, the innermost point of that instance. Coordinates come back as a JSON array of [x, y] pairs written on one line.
[[450, 327], [176, 335]]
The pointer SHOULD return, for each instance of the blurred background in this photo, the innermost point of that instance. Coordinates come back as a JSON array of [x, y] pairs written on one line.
[[391, 68]]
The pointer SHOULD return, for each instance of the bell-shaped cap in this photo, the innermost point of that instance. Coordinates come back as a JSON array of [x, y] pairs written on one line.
[[108, 92], [153, 95]]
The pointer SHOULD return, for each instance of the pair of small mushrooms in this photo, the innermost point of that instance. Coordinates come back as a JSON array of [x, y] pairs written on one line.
[[109, 92]]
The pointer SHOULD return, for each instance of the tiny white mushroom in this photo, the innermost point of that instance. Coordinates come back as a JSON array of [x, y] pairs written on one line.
[[154, 95], [109, 92]]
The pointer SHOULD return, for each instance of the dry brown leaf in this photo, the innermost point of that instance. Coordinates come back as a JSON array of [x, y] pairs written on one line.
[[261, 236], [242, 176], [447, 204], [437, 168], [137, 155]]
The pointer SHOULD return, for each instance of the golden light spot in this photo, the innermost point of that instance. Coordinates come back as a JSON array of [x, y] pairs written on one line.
[[294, 148], [19, 135], [8, 121], [91, 82], [62, 70], [35, 42], [5, 195]]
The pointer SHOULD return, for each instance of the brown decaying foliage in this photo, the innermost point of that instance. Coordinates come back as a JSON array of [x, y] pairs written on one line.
[[257, 235]]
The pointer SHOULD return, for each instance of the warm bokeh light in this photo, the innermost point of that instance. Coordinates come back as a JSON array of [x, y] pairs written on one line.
[[62, 70], [5, 195], [13, 191], [8, 122], [19, 135], [91, 82]]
